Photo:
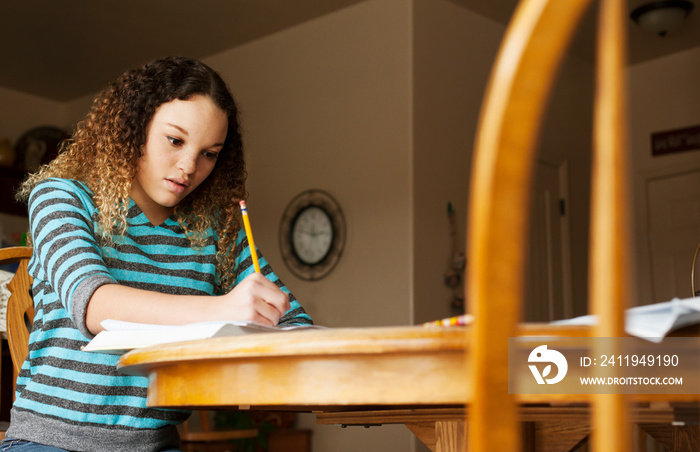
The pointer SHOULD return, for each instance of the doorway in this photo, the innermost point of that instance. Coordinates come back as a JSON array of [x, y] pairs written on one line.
[[673, 206], [548, 294]]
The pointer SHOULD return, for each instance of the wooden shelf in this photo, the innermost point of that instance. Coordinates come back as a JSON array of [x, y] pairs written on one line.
[[290, 440]]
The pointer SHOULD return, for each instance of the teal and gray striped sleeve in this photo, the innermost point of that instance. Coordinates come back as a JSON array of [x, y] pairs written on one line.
[[64, 240]]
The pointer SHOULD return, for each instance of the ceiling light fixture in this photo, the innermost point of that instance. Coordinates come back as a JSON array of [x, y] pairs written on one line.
[[662, 17]]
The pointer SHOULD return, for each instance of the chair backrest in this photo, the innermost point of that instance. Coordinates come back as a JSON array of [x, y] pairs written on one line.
[[20, 306], [520, 84]]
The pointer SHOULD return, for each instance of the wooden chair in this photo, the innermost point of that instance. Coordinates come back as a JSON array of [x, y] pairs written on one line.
[[203, 438], [20, 315], [519, 87], [20, 307]]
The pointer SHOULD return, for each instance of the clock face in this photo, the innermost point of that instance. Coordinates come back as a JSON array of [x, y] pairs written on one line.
[[312, 234]]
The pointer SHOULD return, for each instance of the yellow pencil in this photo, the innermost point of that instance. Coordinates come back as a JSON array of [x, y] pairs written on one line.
[[249, 233]]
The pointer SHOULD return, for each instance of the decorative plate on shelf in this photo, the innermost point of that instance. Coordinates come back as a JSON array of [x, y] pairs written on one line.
[[38, 146], [312, 234]]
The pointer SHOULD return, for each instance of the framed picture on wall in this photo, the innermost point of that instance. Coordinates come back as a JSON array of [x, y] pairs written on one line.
[[38, 146]]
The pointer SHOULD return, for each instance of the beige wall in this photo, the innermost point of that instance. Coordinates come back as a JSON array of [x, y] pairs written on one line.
[[454, 50], [453, 53], [20, 112], [76, 109], [327, 105]]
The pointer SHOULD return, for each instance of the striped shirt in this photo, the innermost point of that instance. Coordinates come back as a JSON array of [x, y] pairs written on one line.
[[78, 400]]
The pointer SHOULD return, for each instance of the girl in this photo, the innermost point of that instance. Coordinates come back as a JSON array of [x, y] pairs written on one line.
[[137, 219]]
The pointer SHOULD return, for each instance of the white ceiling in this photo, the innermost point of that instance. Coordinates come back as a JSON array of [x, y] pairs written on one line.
[[642, 45], [63, 50]]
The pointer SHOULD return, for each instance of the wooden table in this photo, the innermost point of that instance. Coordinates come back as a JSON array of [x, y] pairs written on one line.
[[329, 367], [324, 371], [416, 376]]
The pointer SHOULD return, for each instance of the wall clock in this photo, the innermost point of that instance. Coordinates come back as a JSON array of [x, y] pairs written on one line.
[[312, 234]]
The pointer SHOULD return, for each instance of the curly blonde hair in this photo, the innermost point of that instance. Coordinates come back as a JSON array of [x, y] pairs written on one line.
[[106, 146]]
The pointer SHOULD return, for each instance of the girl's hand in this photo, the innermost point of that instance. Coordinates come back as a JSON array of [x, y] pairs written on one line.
[[255, 299]]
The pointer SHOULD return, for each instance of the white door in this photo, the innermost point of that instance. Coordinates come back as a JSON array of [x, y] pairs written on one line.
[[674, 233], [548, 273]]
